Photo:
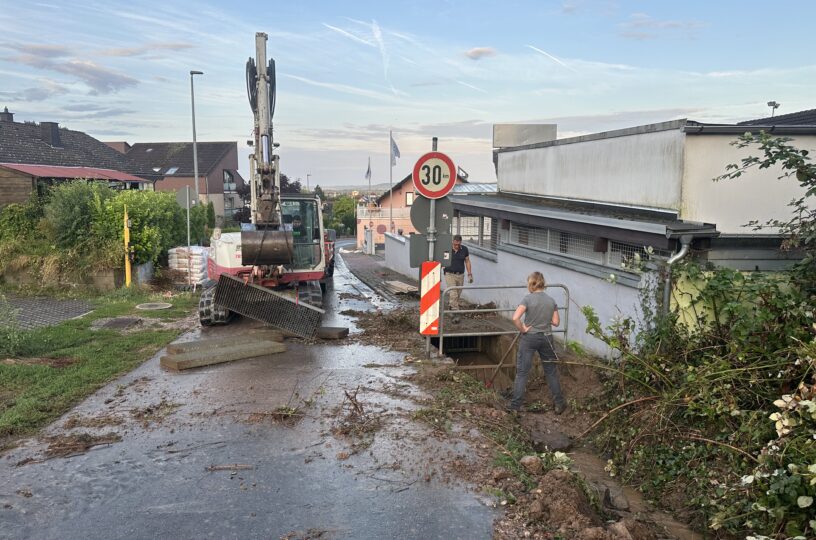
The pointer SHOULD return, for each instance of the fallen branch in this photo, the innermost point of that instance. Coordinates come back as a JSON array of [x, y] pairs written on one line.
[[711, 441], [604, 417], [231, 467]]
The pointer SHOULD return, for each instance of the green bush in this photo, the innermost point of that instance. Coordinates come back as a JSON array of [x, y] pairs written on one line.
[[72, 210], [157, 223], [210, 215], [20, 220]]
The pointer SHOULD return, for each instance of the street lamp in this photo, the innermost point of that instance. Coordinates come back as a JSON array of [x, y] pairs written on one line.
[[195, 149], [307, 180], [773, 105]]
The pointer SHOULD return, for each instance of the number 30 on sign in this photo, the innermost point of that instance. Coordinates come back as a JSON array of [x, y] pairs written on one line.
[[434, 175]]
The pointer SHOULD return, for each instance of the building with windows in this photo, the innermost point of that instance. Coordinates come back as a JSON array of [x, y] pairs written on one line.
[[171, 164], [595, 212], [393, 204], [33, 155]]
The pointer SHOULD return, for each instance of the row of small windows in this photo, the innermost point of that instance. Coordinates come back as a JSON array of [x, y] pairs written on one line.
[[482, 231]]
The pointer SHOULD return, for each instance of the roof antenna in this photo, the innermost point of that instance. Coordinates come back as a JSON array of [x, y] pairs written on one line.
[[773, 105]]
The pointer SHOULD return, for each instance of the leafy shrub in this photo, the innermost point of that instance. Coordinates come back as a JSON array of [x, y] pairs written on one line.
[[72, 210], [20, 220], [157, 223]]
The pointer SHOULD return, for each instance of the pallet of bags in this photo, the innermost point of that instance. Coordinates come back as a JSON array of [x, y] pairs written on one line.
[[191, 263]]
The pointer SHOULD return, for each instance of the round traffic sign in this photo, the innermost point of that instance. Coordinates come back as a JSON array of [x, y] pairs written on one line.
[[434, 175]]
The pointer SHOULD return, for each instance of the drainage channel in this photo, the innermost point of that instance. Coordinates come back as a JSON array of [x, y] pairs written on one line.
[[480, 356]]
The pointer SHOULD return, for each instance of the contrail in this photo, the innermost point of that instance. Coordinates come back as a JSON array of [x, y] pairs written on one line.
[[553, 58], [473, 87], [378, 37], [349, 35]]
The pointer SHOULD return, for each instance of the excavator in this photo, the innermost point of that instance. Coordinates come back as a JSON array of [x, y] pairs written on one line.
[[275, 269]]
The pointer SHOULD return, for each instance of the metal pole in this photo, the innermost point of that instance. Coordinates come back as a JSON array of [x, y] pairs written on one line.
[[195, 148], [431, 251], [187, 198], [391, 181]]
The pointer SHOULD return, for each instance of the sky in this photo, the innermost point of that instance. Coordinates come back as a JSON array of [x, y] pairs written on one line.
[[348, 72]]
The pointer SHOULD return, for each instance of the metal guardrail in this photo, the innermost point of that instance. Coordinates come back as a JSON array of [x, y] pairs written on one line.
[[442, 335]]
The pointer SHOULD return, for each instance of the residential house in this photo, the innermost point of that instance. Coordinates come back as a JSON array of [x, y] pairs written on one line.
[[172, 165], [393, 204], [585, 210], [33, 155]]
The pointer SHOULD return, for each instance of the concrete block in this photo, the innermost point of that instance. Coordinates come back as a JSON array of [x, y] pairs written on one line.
[[199, 358], [332, 332], [225, 341]]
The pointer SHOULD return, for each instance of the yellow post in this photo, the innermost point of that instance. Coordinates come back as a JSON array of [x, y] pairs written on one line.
[[127, 250]]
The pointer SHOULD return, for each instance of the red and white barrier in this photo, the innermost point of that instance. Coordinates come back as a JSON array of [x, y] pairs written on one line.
[[430, 291]]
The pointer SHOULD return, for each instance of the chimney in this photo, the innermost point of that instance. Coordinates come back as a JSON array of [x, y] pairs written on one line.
[[6, 116], [49, 132]]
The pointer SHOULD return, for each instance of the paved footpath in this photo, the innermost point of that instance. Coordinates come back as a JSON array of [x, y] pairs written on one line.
[[371, 270], [35, 312]]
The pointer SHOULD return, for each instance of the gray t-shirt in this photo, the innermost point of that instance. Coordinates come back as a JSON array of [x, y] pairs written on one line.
[[539, 313]]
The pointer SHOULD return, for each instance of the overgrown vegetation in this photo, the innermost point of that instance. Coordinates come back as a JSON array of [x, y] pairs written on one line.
[[715, 414], [77, 227], [48, 370]]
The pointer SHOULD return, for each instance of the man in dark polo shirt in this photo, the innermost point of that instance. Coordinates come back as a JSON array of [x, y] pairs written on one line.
[[455, 273]]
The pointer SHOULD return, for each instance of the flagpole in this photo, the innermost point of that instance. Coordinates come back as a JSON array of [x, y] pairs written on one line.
[[391, 181]]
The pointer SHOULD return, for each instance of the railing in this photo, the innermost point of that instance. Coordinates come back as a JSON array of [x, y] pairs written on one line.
[[442, 335]]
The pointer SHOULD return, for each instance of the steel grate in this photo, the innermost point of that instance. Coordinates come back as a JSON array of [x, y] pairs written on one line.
[[268, 306]]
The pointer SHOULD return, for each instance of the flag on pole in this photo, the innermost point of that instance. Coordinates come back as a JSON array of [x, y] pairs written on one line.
[[368, 171], [394, 152]]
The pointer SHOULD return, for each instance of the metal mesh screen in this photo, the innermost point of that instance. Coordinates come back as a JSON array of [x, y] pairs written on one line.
[[267, 306], [468, 227], [628, 255], [581, 246], [479, 231]]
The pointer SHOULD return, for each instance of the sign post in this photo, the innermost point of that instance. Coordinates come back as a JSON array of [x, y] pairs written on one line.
[[434, 176]]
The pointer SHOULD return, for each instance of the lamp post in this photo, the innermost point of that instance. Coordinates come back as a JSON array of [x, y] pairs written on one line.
[[307, 180], [195, 149]]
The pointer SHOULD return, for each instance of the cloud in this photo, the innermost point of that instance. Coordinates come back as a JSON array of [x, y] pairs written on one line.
[[144, 49], [350, 35], [100, 79], [477, 53], [641, 26], [45, 51], [46, 90], [568, 8]]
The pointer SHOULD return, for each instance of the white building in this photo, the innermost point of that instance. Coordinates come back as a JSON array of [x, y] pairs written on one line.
[[580, 209]]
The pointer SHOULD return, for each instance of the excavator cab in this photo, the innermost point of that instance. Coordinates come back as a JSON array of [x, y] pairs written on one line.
[[301, 217]]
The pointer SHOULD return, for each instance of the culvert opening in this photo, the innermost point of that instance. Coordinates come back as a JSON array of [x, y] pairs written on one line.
[[479, 356]]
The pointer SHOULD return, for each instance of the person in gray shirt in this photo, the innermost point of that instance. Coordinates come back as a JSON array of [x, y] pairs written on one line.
[[540, 313]]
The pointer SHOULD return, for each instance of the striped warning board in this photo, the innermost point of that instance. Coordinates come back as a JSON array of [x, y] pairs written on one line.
[[430, 290]]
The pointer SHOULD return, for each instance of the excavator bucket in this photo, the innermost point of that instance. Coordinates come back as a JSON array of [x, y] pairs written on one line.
[[266, 305]]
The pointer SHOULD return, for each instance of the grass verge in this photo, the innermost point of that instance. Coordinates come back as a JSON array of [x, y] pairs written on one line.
[[34, 391]]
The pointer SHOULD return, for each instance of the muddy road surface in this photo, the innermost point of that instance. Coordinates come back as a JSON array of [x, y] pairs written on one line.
[[316, 442]]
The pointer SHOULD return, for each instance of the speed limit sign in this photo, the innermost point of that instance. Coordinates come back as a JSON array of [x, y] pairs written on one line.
[[434, 175]]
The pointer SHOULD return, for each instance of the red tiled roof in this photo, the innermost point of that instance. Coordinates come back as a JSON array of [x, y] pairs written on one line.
[[91, 173]]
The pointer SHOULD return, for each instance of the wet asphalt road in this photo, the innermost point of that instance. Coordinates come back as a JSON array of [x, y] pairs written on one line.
[[155, 482]]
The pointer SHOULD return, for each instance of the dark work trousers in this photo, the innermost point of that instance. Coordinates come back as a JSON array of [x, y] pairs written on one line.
[[528, 345]]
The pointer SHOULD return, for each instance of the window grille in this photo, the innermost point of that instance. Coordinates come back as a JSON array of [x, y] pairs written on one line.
[[623, 255], [576, 245], [479, 231]]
